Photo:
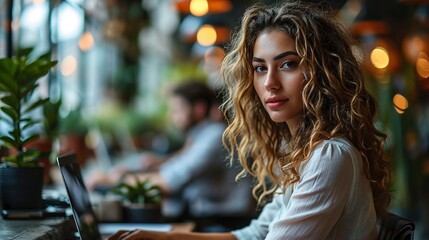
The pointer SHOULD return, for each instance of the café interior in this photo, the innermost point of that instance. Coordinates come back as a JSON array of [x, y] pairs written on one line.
[[116, 60]]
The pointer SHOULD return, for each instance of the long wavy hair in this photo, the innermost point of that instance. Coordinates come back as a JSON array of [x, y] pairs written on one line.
[[336, 102]]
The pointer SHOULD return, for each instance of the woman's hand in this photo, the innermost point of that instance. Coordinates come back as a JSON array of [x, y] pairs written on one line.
[[152, 235], [139, 235]]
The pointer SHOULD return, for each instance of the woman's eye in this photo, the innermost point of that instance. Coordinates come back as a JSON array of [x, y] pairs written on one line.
[[290, 64], [259, 69]]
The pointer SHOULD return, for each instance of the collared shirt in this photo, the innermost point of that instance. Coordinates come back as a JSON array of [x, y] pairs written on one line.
[[332, 200], [199, 173]]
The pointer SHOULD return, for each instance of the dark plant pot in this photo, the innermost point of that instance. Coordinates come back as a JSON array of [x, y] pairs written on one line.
[[135, 213], [44, 145], [21, 188]]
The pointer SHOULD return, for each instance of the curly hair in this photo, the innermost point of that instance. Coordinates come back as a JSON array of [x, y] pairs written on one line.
[[335, 101]]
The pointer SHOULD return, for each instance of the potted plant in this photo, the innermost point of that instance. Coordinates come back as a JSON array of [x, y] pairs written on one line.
[[141, 201], [21, 175]]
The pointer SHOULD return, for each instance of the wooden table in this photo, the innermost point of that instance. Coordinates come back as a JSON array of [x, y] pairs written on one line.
[[53, 229], [40, 229]]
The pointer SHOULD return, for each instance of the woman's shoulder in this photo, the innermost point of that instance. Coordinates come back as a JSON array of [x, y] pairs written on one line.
[[332, 153], [335, 143]]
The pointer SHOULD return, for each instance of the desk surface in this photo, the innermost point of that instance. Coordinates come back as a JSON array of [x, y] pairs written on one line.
[[50, 228], [53, 229]]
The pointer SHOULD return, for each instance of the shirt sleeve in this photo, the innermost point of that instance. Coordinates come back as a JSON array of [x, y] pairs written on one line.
[[203, 152], [258, 228], [319, 197]]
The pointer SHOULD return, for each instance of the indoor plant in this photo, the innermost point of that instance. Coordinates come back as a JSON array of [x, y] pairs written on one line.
[[141, 201], [21, 175]]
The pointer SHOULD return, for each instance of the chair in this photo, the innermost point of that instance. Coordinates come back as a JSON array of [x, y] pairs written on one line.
[[394, 227]]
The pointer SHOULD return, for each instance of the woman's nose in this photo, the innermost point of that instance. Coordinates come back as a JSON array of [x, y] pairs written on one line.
[[271, 81]]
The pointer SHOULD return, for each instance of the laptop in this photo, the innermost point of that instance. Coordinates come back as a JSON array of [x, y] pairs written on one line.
[[86, 222]]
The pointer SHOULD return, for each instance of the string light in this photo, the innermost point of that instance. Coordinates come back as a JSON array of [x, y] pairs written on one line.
[[206, 35], [86, 41], [199, 7], [380, 58], [68, 66], [400, 103]]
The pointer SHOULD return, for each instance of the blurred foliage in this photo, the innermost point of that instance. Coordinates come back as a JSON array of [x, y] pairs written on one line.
[[141, 192]]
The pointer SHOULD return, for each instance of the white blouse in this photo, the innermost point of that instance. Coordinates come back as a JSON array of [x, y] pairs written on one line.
[[332, 200]]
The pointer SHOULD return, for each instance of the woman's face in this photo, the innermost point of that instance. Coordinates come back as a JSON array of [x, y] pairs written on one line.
[[277, 77], [181, 113]]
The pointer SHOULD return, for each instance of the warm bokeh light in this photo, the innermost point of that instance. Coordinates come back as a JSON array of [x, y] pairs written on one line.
[[199, 7], [68, 66], [86, 41], [422, 65], [36, 2], [412, 46], [206, 35], [400, 103], [202, 7], [380, 58]]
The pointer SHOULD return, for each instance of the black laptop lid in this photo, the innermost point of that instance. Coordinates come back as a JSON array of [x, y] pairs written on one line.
[[80, 203]]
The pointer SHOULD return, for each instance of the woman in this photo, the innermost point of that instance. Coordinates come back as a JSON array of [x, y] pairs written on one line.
[[300, 116]]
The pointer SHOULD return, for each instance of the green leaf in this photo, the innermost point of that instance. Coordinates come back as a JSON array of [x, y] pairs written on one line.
[[29, 123], [36, 104], [10, 112], [28, 90], [31, 138], [15, 133], [36, 70], [12, 160], [8, 84], [7, 66], [24, 52], [29, 158], [8, 121], [10, 100], [9, 141]]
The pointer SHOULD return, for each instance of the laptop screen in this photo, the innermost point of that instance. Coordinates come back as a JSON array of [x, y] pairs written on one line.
[[80, 203]]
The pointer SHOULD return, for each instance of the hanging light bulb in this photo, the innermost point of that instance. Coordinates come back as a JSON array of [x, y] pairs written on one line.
[[379, 55], [199, 7], [379, 58], [400, 103], [86, 41], [206, 35], [202, 7]]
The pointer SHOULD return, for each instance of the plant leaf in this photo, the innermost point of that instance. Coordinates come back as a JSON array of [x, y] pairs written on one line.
[[29, 123], [24, 52], [8, 84], [30, 138], [10, 100], [12, 160], [35, 70], [8, 121], [36, 104], [30, 158], [28, 90], [9, 141], [15, 134], [10, 112]]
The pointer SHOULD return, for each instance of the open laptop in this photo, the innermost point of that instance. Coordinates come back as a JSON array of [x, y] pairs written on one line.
[[86, 222]]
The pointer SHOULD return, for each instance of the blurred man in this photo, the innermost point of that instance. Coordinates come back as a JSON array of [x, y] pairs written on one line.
[[197, 180]]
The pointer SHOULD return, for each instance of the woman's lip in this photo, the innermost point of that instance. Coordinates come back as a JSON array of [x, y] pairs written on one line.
[[274, 104]]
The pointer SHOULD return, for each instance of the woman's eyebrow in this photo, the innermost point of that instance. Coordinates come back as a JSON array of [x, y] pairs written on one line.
[[277, 57], [284, 54]]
